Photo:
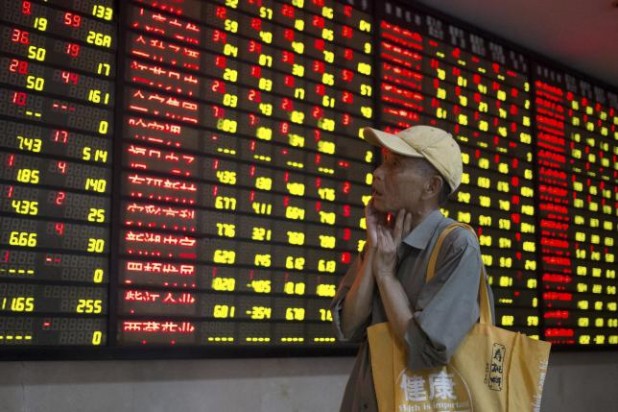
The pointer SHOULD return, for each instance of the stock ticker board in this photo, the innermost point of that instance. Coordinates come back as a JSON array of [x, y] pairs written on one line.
[[191, 175]]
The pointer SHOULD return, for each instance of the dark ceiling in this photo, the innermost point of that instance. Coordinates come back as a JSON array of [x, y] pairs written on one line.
[[581, 34]]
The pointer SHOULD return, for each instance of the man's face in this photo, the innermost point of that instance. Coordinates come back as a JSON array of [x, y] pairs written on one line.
[[398, 183]]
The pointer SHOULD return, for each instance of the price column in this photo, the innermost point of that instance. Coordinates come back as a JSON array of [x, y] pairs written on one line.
[[244, 174], [439, 74], [57, 64], [577, 135]]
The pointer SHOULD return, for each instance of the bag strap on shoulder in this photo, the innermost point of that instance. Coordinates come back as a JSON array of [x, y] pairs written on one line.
[[485, 311], [433, 258]]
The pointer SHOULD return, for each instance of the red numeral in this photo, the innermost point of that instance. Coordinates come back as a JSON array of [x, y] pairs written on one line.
[[256, 24], [59, 228], [18, 66], [69, 77], [346, 31], [26, 8], [218, 86], [221, 62], [256, 71], [20, 98], [287, 10], [218, 112], [221, 12], [219, 36], [61, 136], [72, 49], [62, 167], [72, 20], [60, 196], [20, 36]]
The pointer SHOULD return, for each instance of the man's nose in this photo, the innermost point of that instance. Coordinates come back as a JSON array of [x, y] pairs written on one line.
[[377, 173]]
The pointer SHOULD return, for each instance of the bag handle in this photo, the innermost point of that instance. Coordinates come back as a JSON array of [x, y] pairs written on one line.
[[485, 311]]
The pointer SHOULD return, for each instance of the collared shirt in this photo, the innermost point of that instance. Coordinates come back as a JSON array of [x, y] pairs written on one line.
[[444, 309]]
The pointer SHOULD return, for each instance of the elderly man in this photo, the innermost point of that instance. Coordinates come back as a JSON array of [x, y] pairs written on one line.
[[421, 167]]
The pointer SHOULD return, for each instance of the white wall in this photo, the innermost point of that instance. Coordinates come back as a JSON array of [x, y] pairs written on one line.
[[575, 382]]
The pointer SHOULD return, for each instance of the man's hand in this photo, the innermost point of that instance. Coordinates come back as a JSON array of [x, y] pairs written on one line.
[[373, 219], [388, 239]]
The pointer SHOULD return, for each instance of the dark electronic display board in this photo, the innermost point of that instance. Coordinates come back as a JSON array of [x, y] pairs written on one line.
[[57, 68], [192, 174], [578, 173], [242, 174]]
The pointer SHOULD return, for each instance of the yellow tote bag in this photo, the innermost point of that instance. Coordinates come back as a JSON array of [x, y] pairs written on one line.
[[492, 370]]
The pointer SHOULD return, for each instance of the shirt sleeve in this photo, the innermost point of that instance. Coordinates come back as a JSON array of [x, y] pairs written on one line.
[[448, 305], [337, 303]]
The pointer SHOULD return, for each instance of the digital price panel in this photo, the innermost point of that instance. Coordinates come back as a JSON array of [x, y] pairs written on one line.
[[243, 170], [434, 72], [57, 66], [192, 174], [577, 139]]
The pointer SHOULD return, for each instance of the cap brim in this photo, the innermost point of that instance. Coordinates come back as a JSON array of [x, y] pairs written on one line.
[[389, 141]]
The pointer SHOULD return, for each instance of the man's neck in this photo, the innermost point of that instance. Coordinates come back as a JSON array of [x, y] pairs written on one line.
[[419, 215]]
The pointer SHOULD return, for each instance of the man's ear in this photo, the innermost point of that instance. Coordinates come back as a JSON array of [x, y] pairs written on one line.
[[433, 186]]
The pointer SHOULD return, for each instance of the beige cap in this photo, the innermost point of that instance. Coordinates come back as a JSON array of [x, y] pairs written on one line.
[[431, 143]]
